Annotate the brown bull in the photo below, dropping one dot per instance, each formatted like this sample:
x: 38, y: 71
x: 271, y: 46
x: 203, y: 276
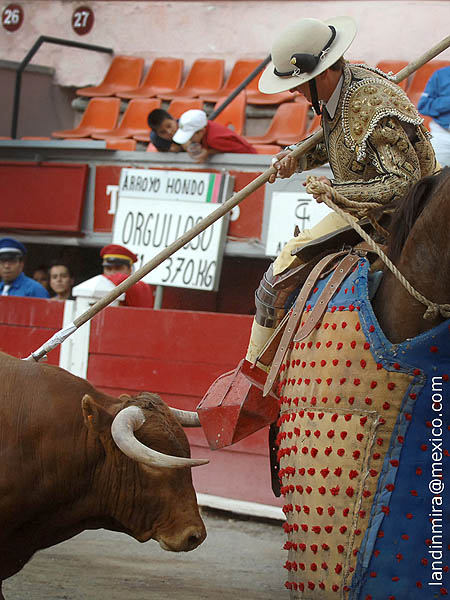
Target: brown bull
x: 70, y: 461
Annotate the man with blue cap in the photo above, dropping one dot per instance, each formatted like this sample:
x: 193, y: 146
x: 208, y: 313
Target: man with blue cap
x: 13, y: 281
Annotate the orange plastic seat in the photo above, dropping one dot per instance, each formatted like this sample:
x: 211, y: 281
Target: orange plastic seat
x: 134, y: 120
x: 267, y: 148
x: 100, y: 115
x: 233, y: 115
x: 204, y: 77
x: 35, y: 137
x: 164, y: 76
x: 420, y: 79
x: 121, y: 144
x: 313, y: 125
x: 240, y: 71
x: 394, y: 66
x: 124, y: 73
x: 176, y: 109
x: 254, y: 96
x: 287, y: 126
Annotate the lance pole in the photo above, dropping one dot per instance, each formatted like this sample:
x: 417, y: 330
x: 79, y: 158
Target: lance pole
x: 217, y: 214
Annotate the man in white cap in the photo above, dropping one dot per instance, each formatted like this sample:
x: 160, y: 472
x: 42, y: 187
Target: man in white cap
x: 202, y: 138
x: 374, y: 139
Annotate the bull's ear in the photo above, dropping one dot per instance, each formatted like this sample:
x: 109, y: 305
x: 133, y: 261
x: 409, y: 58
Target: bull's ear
x: 96, y: 418
x: 124, y: 397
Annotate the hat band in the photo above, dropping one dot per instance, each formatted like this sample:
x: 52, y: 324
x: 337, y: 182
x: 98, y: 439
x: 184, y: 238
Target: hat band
x: 305, y: 63
x: 117, y: 257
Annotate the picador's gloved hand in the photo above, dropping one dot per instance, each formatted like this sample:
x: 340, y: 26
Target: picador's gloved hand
x: 258, y: 338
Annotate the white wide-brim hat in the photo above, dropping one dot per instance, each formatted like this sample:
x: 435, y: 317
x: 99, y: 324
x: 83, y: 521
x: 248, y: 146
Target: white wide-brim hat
x: 308, y: 36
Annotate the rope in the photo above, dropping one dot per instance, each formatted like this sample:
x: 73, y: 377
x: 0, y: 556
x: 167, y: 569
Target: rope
x: 331, y: 197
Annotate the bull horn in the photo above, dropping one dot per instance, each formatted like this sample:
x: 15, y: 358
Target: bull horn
x: 186, y: 418
x: 125, y: 423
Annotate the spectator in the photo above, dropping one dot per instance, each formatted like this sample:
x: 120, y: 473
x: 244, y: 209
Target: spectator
x: 41, y: 276
x: 435, y: 103
x: 163, y: 126
x: 14, y: 281
x: 117, y: 266
x: 61, y: 281
x: 202, y: 138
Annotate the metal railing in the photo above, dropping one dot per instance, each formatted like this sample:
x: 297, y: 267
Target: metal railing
x: 29, y: 56
x: 239, y: 88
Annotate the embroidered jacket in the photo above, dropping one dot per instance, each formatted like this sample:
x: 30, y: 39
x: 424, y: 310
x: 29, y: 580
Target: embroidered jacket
x: 376, y: 144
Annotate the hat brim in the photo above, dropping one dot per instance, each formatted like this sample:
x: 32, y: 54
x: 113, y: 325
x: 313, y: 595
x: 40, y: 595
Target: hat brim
x: 181, y: 136
x: 269, y: 83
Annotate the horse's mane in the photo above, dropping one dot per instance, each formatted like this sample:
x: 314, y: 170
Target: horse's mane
x: 410, y: 208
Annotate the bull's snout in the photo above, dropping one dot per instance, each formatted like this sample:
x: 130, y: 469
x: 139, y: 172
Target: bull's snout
x: 188, y: 540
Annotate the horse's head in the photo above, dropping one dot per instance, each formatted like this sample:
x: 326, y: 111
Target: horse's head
x: 419, y: 246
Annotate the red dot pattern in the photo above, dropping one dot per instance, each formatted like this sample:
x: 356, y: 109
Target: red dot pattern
x: 338, y: 408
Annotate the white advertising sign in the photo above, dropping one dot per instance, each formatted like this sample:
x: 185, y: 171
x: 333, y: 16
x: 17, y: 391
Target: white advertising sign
x: 288, y: 209
x: 157, y: 184
x: 150, y: 216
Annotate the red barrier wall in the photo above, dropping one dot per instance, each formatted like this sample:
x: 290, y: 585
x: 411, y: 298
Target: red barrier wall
x: 177, y: 354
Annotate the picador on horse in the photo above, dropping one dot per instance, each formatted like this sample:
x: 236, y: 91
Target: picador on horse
x: 352, y: 449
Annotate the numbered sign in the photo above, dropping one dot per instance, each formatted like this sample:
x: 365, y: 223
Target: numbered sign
x: 82, y: 20
x: 12, y: 17
x: 288, y: 209
x: 155, y: 208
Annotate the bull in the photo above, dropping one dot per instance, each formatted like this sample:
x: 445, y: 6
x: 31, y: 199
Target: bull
x: 74, y: 458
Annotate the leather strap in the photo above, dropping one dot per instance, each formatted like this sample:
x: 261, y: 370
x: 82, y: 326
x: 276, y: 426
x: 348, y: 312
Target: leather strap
x: 340, y: 273
x: 290, y: 326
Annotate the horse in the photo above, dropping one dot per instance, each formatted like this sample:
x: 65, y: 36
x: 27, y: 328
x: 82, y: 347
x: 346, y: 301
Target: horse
x: 363, y: 439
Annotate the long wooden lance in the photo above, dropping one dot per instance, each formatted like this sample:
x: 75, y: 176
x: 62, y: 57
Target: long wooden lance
x: 222, y: 210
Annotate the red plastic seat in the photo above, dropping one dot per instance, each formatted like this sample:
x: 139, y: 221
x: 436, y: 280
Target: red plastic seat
x: 121, y: 144
x: 134, y: 120
x: 124, y: 73
x: 267, y: 148
x: 233, y: 115
x: 164, y: 76
x: 240, y: 71
x: 313, y: 125
x: 204, y: 77
x: 288, y: 125
x: 394, y: 66
x: 254, y: 96
x: 176, y: 109
x: 420, y: 79
x: 100, y: 115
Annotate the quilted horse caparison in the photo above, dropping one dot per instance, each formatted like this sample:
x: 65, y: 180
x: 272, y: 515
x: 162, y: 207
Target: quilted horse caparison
x: 364, y: 446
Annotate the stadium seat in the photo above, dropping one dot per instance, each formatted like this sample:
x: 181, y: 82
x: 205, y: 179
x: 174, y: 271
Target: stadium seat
x: 267, y: 148
x: 394, y: 66
x: 134, y: 120
x: 233, y: 115
x: 254, y: 96
x: 121, y: 144
x: 164, y: 76
x: 176, y: 108
x: 204, y: 77
x: 420, y: 79
x: 124, y: 73
x: 35, y: 138
x: 240, y: 71
x: 313, y: 125
x: 100, y: 115
x: 287, y: 126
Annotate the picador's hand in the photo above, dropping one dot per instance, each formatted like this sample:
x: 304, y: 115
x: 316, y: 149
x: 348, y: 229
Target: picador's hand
x: 285, y: 165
